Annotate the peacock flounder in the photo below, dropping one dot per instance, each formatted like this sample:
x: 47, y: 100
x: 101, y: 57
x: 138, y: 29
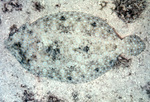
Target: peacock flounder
x: 70, y: 47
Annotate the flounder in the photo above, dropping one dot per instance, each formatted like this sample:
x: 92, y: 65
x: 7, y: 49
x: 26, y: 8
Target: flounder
x: 72, y: 47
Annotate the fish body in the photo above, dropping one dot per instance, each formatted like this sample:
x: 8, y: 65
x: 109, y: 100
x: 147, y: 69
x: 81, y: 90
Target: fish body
x: 72, y: 47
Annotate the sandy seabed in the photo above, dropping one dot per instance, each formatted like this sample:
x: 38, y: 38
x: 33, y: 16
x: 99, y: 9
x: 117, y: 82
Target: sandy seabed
x: 123, y: 84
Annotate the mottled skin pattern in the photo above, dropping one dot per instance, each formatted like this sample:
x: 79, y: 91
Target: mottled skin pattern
x: 70, y: 47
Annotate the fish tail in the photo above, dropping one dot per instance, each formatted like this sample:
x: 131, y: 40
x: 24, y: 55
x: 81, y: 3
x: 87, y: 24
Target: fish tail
x: 133, y: 45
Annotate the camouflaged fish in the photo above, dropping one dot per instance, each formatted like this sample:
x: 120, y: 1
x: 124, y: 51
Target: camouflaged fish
x: 70, y: 47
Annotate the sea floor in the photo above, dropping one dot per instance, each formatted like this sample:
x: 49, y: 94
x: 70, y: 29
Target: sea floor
x: 124, y: 83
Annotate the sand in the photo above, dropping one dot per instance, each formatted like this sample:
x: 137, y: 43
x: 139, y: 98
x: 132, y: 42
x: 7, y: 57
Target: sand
x: 122, y: 84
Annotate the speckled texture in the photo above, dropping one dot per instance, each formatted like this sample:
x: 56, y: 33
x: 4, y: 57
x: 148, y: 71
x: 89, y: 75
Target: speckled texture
x: 70, y: 47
